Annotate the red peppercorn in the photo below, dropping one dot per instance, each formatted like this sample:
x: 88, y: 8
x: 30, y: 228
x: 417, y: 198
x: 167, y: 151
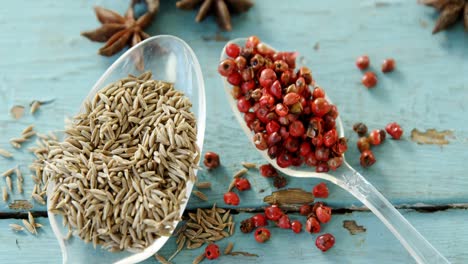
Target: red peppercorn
x: 232, y: 50
x: 284, y: 222
x: 296, y: 129
x: 320, y: 190
x: 296, y: 226
x: 262, y: 235
x: 212, y: 251
x: 360, y: 128
x: 257, y: 62
x: 312, y: 225
x: 243, y: 105
x: 260, y: 141
x: 227, y: 67
x: 211, y: 160
x: 280, y: 66
x: 291, y: 144
x: 322, y: 154
x: 234, y: 78
x: 325, y: 242
x: 267, y: 100
x: 291, y: 98
x: 273, y: 212
x: 375, y: 137
x: 252, y: 42
x: 333, y: 111
x: 318, y: 93
x: 334, y: 163
x: 281, y: 109
x: 362, y: 62
x: 317, y: 141
x: 323, y: 214
x: 330, y: 138
x: 273, y: 151
x: 367, y: 158
x: 249, y: 118
x: 286, y: 77
x: 329, y: 122
x: 363, y: 144
x: 236, y: 92
x: 273, y: 139
x: 241, y: 62
x: 259, y: 220
x: 280, y: 181
x: 247, y: 225
x: 284, y: 160
x: 322, y: 167
x: 305, y: 73
x: 388, y: 65
x: 231, y: 198
x: 310, y: 159
x: 247, y: 74
x: 272, y: 126
x: 276, y: 89
x: 369, y: 79
x: 340, y: 147
x: 305, y: 209
x: 263, y: 49
x: 267, y: 77
x: 267, y: 170
x: 320, y: 107
x: 242, y: 184
x: 304, y: 149
x: 249, y: 86
x: 394, y: 130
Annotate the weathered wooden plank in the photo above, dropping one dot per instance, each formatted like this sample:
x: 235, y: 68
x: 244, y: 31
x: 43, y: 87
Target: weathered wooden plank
x: 43, y: 57
x: 445, y: 229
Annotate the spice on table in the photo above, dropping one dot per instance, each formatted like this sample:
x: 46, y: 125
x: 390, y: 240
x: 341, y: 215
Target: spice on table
x: 305, y: 209
x: 211, y: 160
x: 320, y: 190
x: 312, y: 224
x: 367, y: 158
x: 220, y: 8
x: 267, y: 170
x: 289, y: 196
x: 369, y: 79
x: 394, y: 130
x: 363, y: 144
x: 242, y: 184
x: 323, y: 213
x: 199, y: 259
x: 360, y: 128
x: 262, y: 234
x: 119, y: 31
x: 284, y: 222
x: 325, y: 242
x: 5, y: 194
x: 279, y: 181
x: 259, y: 220
x: 376, y: 137
x: 247, y: 225
x: 35, y: 105
x: 362, y: 62
x: 200, y: 195
x: 231, y: 198
x: 296, y: 226
x: 388, y: 65
x: 273, y: 212
x: 249, y: 165
x: 212, y: 251
x: 203, y: 185
x: 450, y: 13
x: 240, y: 173
x: 5, y: 153
x: 17, y: 111
x: 16, y: 227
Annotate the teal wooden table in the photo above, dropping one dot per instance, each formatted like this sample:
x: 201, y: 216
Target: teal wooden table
x: 43, y: 57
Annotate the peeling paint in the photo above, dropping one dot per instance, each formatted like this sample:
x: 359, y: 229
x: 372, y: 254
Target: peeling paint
x: 353, y: 228
x: 20, y: 205
x: 431, y: 136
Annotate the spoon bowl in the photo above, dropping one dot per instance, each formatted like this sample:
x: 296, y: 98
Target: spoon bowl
x: 170, y: 59
x: 349, y: 179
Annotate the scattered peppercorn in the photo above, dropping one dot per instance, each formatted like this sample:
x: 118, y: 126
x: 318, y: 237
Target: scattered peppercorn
x: 280, y: 181
x: 262, y: 235
x: 323, y: 214
x: 325, y: 242
x: 369, y: 79
x: 212, y: 251
x: 242, y: 184
x: 267, y: 170
x: 273, y: 212
x: 296, y: 226
x: 367, y: 158
x: 360, y: 128
x: 247, y: 225
x: 362, y: 62
x: 394, y: 130
x: 305, y: 209
x: 312, y: 225
x: 375, y: 137
x: 388, y: 65
x: 211, y: 160
x: 231, y: 198
x: 363, y: 144
x: 284, y: 222
x: 259, y: 220
x: 320, y: 190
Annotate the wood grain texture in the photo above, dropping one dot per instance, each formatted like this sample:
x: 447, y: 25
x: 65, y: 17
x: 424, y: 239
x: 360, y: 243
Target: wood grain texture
x: 376, y: 244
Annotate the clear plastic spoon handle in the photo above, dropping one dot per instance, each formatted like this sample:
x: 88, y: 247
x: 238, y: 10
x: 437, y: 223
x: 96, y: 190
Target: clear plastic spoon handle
x: 419, y: 248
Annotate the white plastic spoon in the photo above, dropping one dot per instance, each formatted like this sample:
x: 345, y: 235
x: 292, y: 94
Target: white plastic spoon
x: 349, y: 179
x: 169, y: 59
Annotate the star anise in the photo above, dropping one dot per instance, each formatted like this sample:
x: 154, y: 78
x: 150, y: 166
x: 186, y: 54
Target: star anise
x: 119, y: 31
x: 451, y: 11
x: 220, y: 8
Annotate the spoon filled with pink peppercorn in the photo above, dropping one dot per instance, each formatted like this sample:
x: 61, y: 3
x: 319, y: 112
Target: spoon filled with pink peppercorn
x: 296, y: 128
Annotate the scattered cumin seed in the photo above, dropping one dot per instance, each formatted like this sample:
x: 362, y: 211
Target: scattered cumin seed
x: 249, y: 165
x: 231, y: 185
x: 5, y: 194
x: 15, y: 144
x: 200, y: 195
x: 19, y: 185
x: 199, y: 259
x: 8, y: 172
x: 5, y: 153
x: 228, y: 248
x: 35, y: 105
x: 28, y: 227
x: 203, y: 185
x: 27, y: 129
x: 240, y: 173
x: 161, y: 259
x: 29, y: 134
x: 8, y: 182
x: 16, y: 227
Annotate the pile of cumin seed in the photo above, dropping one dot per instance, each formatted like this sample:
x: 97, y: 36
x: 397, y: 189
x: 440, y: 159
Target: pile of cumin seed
x: 120, y: 174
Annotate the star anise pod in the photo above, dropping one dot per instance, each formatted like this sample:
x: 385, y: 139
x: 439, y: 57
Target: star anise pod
x: 450, y: 12
x: 220, y: 8
x: 119, y: 31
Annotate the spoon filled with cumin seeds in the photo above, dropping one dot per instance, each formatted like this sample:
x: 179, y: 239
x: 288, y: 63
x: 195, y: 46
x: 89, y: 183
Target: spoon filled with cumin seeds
x: 122, y: 176
x: 292, y: 125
